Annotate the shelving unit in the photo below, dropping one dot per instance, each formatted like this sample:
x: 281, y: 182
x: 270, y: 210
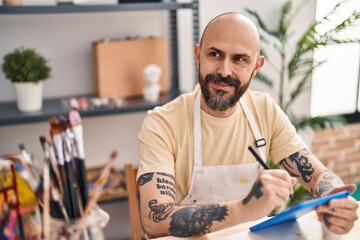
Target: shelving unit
x: 9, y: 115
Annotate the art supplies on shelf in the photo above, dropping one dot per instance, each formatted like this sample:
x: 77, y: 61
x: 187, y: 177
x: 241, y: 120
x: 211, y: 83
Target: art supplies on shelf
x: 113, y: 189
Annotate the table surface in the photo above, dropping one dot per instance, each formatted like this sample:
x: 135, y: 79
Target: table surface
x: 305, y: 228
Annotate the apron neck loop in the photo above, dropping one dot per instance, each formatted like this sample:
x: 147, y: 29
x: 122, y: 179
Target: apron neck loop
x: 259, y: 140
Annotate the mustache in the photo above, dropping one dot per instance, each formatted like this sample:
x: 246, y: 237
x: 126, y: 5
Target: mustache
x: 219, y: 79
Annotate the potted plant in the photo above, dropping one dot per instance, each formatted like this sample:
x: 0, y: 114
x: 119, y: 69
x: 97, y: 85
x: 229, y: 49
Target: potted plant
x: 26, y: 69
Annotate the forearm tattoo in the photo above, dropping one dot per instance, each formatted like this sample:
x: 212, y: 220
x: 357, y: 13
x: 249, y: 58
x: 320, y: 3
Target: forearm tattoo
x: 327, y: 182
x: 166, y: 174
x: 254, y: 192
x: 147, y: 177
x: 191, y: 221
x: 303, y: 166
x: 159, y: 212
x: 166, y: 187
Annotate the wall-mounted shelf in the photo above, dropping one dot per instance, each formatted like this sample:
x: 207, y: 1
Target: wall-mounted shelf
x: 70, y: 8
x: 10, y: 115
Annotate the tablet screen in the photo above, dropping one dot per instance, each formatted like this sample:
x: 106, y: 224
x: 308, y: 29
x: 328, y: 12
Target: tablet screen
x: 298, y: 210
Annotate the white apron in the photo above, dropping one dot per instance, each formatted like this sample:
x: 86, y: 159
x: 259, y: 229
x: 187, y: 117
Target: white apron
x: 213, y: 184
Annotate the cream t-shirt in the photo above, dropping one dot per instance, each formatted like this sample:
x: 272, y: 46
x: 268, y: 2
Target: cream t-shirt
x: 166, y: 137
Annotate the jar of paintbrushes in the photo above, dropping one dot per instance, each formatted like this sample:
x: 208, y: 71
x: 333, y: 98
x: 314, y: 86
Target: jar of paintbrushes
x: 69, y: 209
x: 86, y: 228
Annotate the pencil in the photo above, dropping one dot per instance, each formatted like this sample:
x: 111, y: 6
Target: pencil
x: 258, y: 158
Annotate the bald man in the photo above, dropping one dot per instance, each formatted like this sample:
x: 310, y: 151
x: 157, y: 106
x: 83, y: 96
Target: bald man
x: 196, y: 174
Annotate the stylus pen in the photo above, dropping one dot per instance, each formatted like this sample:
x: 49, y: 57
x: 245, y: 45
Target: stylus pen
x: 258, y: 158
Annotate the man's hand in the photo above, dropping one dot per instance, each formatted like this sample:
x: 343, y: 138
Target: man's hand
x: 271, y: 190
x: 339, y: 215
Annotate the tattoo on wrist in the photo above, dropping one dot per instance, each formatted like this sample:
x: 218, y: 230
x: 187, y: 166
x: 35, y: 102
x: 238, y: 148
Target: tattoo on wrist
x: 159, y: 212
x: 303, y: 166
x: 191, y: 221
x: 328, y: 181
x: 147, y: 177
x: 254, y: 192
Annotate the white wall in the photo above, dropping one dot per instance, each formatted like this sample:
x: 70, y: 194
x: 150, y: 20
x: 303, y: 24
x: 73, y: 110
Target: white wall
x: 65, y: 40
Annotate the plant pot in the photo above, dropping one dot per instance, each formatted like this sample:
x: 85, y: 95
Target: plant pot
x: 29, y: 96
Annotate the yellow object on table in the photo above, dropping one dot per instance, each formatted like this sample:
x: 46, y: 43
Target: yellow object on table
x: 26, y: 195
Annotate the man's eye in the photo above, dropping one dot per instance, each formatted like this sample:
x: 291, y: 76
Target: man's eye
x: 239, y: 59
x: 214, y: 54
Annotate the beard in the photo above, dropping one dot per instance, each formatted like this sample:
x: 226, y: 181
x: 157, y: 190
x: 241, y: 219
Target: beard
x: 220, y: 101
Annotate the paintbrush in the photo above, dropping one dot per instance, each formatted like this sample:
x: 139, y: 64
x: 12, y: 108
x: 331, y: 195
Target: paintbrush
x: 58, y: 144
x: 17, y: 202
x: 46, y: 189
x: 77, y: 129
x: 100, y: 182
x: 56, y: 204
x: 56, y: 196
x: 54, y: 168
x: 71, y: 180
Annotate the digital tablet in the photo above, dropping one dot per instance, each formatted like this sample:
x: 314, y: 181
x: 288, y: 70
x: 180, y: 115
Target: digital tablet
x: 298, y: 210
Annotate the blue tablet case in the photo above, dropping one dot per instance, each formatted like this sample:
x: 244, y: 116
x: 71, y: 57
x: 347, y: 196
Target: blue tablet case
x: 298, y: 210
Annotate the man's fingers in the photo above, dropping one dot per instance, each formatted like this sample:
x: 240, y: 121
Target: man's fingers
x: 337, y: 225
x: 276, y: 186
x: 347, y: 203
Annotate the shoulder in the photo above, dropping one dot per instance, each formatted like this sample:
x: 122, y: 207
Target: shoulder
x: 171, y: 115
x: 170, y: 111
x: 261, y: 101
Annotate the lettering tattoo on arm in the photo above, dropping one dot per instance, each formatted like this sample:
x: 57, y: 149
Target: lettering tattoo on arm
x: 191, y: 221
x: 165, y: 186
x: 328, y: 181
x: 166, y: 174
x: 303, y: 166
x: 254, y: 192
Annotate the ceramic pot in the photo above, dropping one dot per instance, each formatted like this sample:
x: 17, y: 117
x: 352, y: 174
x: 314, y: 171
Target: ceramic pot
x: 29, y: 96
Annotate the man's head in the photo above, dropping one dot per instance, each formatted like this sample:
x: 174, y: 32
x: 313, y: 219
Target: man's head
x: 228, y: 58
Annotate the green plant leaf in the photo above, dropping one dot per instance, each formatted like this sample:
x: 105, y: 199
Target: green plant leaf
x: 346, y: 31
x: 25, y: 65
x: 320, y: 122
x: 264, y: 79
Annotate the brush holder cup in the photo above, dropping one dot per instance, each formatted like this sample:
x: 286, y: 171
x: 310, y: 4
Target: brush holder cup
x: 90, y: 227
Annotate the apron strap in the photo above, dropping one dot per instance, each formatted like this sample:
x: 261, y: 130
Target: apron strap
x: 259, y: 140
x: 197, y: 131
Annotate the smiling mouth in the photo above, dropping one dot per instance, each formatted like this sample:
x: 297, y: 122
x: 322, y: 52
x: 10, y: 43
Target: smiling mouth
x: 222, y: 85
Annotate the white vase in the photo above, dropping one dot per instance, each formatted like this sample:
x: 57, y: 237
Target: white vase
x: 29, y: 96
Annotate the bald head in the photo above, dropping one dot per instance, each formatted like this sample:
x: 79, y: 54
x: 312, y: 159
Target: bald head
x: 232, y: 24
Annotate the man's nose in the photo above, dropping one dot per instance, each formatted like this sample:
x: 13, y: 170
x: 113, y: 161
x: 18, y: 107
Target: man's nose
x: 225, y: 69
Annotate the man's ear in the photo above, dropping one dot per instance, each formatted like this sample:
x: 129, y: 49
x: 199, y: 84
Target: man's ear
x: 197, y: 53
x: 259, y: 63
